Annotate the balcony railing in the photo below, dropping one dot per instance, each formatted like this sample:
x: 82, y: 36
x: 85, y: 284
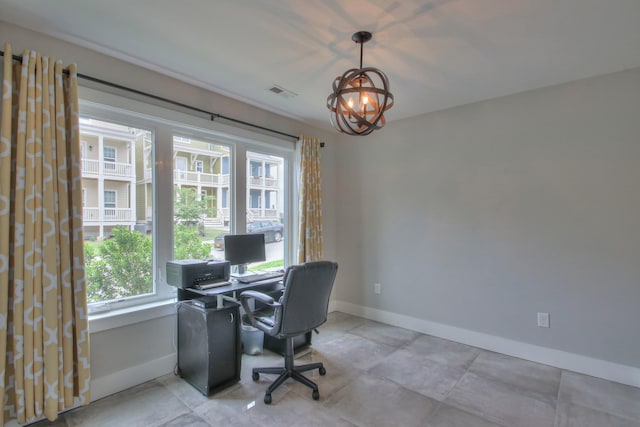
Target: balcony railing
x: 258, y: 181
x: 194, y: 178
x: 108, y: 214
x: 115, y: 169
x: 188, y: 177
x: 259, y: 213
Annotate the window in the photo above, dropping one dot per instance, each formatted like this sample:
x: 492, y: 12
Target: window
x: 271, y: 199
x: 109, y: 156
x: 118, y: 250
x: 109, y: 204
x: 225, y: 165
x: 256, y: 168
x: 181, y: 168
x: 199, y: 214
x: 254, y: 198
x: 109, y: 199
x: 266, y: 212
x: 163, y: 204
x: 225, y: 198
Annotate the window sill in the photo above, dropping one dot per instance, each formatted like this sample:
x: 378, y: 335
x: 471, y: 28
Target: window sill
x: 130, y: 315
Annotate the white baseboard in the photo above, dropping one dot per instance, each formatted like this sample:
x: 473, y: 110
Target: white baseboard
x: 561, y: 359
x: 122, y: 380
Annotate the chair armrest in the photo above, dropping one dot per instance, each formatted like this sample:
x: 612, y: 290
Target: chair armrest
x: 263, y: 298
x: 258, y: 296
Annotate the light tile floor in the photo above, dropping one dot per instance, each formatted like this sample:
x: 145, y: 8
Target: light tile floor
x: 380, y: 375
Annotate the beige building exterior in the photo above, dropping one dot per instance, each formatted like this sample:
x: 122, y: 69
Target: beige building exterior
x: 108, y: 177
x: 117, y: 179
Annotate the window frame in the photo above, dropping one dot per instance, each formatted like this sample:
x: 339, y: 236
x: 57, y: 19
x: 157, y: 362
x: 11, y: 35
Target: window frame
x: 104, y: 199
x: 111, y: 159
x: 164, y: 125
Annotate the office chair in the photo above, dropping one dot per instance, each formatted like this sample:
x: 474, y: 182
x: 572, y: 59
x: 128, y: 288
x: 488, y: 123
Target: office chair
x: 302, y: 308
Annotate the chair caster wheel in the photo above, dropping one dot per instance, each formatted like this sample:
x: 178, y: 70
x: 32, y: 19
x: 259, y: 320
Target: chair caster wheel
x: 267, y: 399
x: 255, y: 376
x: 322, y: 371
x: 315, y: 395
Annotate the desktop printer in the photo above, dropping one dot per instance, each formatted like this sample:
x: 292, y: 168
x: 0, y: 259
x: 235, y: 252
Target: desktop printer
x: 186, y: 273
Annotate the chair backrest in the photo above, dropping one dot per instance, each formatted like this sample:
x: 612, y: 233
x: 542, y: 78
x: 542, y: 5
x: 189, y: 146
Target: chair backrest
x: 305, y: 301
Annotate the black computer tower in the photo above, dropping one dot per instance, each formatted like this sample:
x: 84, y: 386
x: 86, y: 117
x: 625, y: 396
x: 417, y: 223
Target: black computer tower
x: 209, y: 346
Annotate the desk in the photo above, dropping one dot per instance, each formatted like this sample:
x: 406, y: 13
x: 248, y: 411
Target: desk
x: 265, y: 286
x: 230, y: 292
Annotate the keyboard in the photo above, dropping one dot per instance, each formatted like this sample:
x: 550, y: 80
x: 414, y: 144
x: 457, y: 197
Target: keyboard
x: 261, y: 276
x: 204, y: 286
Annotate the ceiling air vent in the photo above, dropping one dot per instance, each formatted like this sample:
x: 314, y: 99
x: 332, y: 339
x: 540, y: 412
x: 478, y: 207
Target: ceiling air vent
x: 282, y: 92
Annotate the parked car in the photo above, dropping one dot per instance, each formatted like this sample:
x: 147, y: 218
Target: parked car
x: 218, y: 242
x: 273, y: 232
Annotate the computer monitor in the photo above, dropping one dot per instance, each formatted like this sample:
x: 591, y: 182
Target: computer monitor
x: 241, y: 249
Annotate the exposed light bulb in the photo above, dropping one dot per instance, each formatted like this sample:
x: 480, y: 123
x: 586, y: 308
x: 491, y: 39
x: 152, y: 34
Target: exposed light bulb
x: 350, y: 102
x: 365, y: 100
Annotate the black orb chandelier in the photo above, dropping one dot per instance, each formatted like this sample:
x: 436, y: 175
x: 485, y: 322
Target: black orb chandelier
x: 360, y: 97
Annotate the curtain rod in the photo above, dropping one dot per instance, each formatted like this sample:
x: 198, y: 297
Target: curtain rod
x: 211, y: 115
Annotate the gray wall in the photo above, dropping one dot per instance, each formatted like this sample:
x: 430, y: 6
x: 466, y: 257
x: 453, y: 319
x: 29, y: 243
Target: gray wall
x: 480, y: 216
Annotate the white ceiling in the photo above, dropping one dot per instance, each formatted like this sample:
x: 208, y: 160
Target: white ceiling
x: 436, y: 53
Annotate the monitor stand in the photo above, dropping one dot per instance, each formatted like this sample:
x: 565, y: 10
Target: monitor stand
x: 239, y: 270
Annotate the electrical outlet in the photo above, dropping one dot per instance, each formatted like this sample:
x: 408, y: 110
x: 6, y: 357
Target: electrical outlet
x: 376, y: 288
x: 543, y: 320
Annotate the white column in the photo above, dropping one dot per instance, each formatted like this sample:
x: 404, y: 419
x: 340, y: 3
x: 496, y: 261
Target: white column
x: 132, y: 184
x: 101, y: 185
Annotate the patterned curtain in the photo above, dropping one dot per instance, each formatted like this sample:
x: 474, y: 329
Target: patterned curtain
x: 310, y: 197
x: 44, y: 337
